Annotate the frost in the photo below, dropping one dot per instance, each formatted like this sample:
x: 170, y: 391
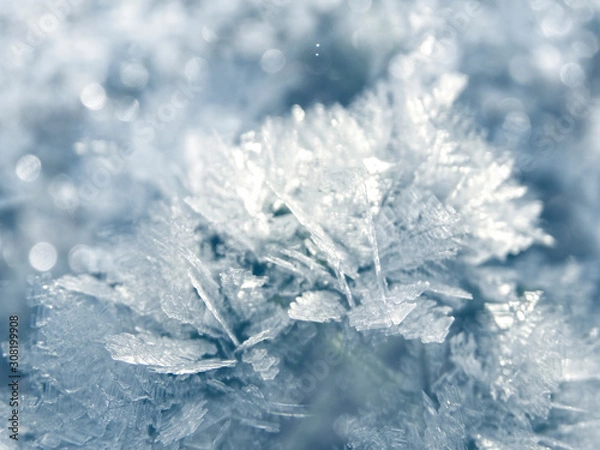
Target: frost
x: 363, y: 269
x: 350, y: 228
x: 427, y: 230
x: 183, y: 424
x: 321, y: 306
x: 392, y: 310
x: 427, y: 322
x: 450, y: 291
x: 163, y: 354
x: 208, y: 301
x: 262, y: 363
x: 93, y: 287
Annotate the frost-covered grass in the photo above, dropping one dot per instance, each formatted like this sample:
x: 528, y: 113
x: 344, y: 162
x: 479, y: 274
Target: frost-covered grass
x: 321, y: 224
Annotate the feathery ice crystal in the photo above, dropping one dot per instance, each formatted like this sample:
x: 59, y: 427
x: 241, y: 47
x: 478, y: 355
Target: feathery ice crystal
x: 336, y: 276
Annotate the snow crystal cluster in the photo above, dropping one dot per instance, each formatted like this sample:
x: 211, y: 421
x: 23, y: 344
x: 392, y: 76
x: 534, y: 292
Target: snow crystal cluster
x: 312, y: 225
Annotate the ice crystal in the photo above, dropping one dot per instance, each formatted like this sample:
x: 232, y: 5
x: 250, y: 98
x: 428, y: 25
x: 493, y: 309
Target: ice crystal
x: 288, y: 271
x: 316, y: 217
